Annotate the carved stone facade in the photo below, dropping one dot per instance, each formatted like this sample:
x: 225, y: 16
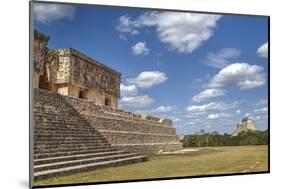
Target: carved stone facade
x: 69, y: 72
x: 78, y: 75
x: 40, y: 44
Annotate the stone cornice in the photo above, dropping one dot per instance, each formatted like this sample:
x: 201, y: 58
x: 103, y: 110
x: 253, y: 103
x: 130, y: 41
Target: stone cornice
x: 74, y: 52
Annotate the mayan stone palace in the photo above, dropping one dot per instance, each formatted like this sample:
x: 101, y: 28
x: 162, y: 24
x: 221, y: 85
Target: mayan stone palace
x: 77, y: 123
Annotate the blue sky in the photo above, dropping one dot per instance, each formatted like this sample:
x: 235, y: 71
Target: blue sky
x: 203, y: 71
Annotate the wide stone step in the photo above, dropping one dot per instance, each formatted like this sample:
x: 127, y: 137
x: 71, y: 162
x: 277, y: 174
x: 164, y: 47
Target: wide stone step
x: 70, y: 134
x: 74, y: 152
x: 51, y: 109
x: 86, y: 167
x: 49, y: 114
x: 64, y: 128
x: 72, y: 146
x: 66, y: 121
x: 60, y: 118
x: 45, y: 139
x: 68, y: 149
x: 76, y: 157
x: 58, y: 165
x: 55, y: 141
x: 66, y: 134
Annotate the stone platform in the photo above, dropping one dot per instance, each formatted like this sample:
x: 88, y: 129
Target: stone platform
x: 73, y: 135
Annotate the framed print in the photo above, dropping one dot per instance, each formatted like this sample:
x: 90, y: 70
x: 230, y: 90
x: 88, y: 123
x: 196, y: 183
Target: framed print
x: 126, y: 94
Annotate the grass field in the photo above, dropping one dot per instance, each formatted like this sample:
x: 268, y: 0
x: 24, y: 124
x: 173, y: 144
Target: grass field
x: 205, y: 161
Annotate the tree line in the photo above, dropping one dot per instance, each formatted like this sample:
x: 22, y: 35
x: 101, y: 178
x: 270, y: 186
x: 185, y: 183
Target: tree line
x: 203, y: 139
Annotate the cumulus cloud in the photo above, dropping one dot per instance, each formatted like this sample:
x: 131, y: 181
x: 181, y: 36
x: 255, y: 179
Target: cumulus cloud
x: 244, y: 75
x: 183, y: 32
x: 263, y: 50
x: 128, y: 90
x: 127, y: 25
x: 212, y: 106
x: 221, y: 58
x: 47, y: 13
x: 123, y: 37
x: 238, y: 112
x: 162, y: 109
x: 141, y: 101
x: 194, y: 114
x: 248, y: 114
x: 218, y: 115
x: 148, y: 79
x: 140, y: 48
x: 257, y: 118
x: 262, y: 102
x: 261, y: 110
x: 175, y: 120
x: 208, y: 94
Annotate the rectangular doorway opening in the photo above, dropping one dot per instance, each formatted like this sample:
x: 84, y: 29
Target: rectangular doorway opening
x: 107, y: 101
x: 83, y: 94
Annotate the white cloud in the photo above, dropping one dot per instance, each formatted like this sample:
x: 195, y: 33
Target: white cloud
x: 212, y: 106
x: 221, y: 58
x: 175, y: 120
x: 263, y: 50
x: 184, y: 32
x: 262, y: 102
x: 194, y: 114
x: 208, y: 94
x: 261, y: 110
x: 148, y: 79
x: 257, y: 118
x: 127, y: 25
x: 244, y: 75
x: 238, y: 112
x: 135, y: 101
x: 247, y: 115
x: 46, y: 13
x: 140, y: 48
x: 213, y: 116
x: 128, y: 90
x: 123, y: 37
x: 219, y: 115
x: 162, y: 109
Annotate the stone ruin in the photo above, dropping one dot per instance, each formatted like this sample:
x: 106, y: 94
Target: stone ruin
x: 69, y: 72
x: 77, y: 123
x: 246, y: 125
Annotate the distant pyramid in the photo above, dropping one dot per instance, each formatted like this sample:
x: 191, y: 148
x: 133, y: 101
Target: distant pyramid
x: 246, y: 125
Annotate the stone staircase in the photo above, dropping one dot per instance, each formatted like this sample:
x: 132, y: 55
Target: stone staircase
x: 64, y: 142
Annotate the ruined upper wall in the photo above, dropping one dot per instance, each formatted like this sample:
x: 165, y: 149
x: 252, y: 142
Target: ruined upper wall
x: 40, y: 46
x: 79, y: 69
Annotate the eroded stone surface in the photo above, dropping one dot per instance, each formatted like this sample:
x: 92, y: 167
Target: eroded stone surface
x: 40, y: 54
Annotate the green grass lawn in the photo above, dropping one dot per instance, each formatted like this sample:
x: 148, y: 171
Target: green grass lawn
x: 205, y: 161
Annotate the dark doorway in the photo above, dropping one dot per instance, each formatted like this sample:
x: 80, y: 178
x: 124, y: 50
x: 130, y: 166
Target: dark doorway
x: 107, y: 101
x: 83, y: 94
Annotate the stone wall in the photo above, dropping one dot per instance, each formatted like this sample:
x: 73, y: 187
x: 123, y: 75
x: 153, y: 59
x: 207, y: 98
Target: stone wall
x: 79, y: 69
x: 85, y: 76
x: 40, y: 49
x: 36, y: 77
